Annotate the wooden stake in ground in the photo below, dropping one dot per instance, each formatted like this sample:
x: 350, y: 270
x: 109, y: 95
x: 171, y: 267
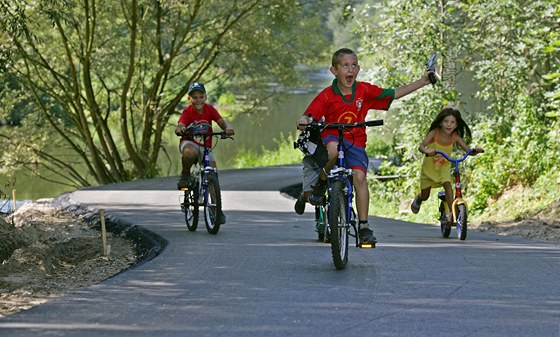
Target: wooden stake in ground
x: 14, y: 199
x: 103, y: 232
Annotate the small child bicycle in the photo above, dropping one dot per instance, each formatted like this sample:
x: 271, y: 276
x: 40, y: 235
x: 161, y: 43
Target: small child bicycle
x: 205, y: 191
x: 459, y: 208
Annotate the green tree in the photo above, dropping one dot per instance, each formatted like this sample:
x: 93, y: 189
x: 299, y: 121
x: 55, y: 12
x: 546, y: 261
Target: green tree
x: 508, y: 49
x: 106, y: 76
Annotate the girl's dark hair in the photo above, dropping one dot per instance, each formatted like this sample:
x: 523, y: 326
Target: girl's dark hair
x: 462, y: 127
x: 339, y: 53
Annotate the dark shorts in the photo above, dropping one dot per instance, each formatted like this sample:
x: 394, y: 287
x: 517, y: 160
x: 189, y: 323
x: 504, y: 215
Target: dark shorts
x: 355, y: 157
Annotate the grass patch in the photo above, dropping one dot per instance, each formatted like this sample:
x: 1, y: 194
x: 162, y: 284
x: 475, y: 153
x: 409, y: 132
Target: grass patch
x: 283, y: 154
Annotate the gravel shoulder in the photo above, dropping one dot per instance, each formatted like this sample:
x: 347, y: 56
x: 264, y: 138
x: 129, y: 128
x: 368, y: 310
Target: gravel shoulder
x: 50, y: 247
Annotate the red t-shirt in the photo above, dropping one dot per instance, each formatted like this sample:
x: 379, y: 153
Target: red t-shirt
x: 190, y: 115
x: 337, y: 108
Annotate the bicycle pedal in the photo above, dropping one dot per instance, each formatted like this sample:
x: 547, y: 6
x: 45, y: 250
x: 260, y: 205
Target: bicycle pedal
x: 366, y: 245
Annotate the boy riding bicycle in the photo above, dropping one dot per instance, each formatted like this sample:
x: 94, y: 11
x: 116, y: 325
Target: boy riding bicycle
x: 348, y: 101
x: 198, y: 113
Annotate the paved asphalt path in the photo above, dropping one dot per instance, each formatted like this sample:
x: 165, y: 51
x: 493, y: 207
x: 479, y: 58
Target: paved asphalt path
x: 264, y: 274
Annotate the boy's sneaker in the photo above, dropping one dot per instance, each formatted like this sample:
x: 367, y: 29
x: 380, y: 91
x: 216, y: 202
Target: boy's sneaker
x: 185, y: 182
x: 299, y: 207
x: 415, y: 206
x: 316, y: 198
x: 366, y: 235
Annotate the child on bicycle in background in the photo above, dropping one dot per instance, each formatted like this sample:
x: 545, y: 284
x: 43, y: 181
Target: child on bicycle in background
x: 348, y: 101
x: 310, y: 143
x: 198, y: 113
x: 447, y: 130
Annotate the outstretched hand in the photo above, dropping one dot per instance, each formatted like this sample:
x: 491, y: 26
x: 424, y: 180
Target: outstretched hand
x: 430, y: 77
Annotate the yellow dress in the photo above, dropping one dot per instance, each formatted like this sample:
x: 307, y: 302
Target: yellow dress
x: 435, y: 169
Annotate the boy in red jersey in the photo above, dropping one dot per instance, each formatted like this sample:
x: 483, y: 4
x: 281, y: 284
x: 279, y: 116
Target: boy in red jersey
x: 198, y: 112
x: 348, y: 101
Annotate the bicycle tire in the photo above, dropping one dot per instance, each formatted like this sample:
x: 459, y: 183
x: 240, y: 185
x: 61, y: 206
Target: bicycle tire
x: 445, y: 229
x: 462, y: 221
x: 338, y: 225
x: 323, y: 230
x: 213, y: 204
x: 190, y: 208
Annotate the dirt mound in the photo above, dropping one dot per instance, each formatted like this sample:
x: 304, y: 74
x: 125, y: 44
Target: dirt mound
x: 46, y: 251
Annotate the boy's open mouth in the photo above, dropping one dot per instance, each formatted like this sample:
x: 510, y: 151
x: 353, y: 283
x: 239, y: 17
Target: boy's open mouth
x: 349, y: 79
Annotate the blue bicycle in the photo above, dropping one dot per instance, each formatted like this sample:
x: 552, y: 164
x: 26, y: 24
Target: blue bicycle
x: 340, y: 212
x: 206, y: 189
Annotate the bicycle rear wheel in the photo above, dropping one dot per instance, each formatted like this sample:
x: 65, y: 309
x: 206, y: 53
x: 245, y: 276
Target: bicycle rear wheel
x: 462, y: 221
x: 190, y: 208
x: 338, y: 225
x: 323, y: 230
x: 213, y: 205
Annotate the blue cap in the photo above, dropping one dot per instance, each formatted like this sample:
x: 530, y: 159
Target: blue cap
x: 196, y: 86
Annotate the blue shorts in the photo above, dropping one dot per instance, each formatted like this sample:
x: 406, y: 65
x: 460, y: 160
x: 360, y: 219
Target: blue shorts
x: 355, y: 157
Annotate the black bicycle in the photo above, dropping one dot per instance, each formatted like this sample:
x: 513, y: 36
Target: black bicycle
x: 205, y: 191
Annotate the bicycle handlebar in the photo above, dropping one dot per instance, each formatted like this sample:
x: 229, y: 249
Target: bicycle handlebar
x: 456, y: 160
x: 376, y: 122
x: 222, y: 134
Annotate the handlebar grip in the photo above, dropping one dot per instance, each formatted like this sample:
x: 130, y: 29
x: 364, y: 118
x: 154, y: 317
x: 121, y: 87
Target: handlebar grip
x: 377, y: 122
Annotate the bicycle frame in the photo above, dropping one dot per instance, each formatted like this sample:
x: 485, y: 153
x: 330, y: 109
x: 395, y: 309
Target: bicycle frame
x: 458, y: 198
x: 206, y: 169
x: 341, y: 173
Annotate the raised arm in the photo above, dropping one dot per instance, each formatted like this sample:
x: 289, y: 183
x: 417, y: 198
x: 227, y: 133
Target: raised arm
x: 411, y: 87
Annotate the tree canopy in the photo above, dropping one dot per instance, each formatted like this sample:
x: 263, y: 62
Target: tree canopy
x: 106, y: 76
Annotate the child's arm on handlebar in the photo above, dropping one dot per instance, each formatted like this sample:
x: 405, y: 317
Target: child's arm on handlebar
x: 477, y: 150
x: 181, y: 129
x: 224, y: 125
x: 466, y: 148
x: 302, y: 122
x: 427, y: 140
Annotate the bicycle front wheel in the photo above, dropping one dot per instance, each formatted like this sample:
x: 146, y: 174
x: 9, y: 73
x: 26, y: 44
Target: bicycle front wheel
x: 190, y: 208
x: 445, y: 228
x: 338, y: 225
x: 462, y: 221
x: 213, y: 215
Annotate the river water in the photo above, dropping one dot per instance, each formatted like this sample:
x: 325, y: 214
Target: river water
x: 253, y: 132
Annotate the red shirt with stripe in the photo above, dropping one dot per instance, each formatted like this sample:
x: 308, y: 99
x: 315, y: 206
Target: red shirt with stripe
x: 190, y: 115
x: 339, y: 108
